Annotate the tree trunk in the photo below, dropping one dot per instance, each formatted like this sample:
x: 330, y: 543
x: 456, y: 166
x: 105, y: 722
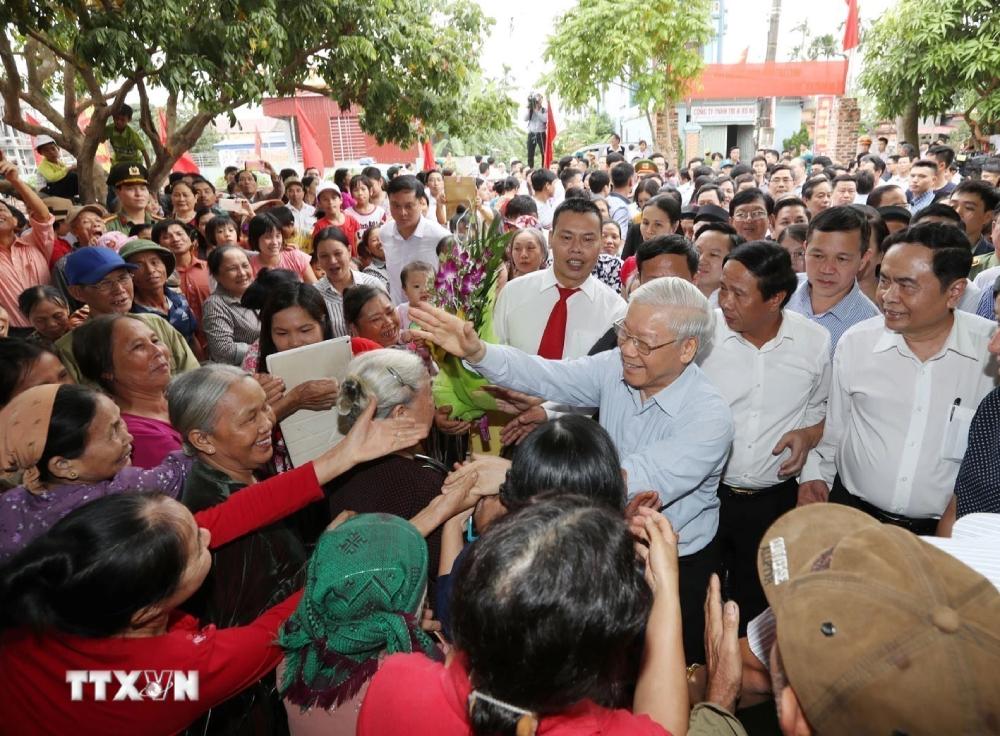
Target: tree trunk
x: 664, y: 134
x: 93, y: 179
x: 911, y: 121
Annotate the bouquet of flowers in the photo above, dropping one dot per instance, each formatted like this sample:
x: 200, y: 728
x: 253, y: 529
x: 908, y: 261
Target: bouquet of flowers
x: 466, y: 286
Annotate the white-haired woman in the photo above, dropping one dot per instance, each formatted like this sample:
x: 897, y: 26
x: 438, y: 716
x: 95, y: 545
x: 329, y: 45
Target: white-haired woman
x: 404, y: 482
x: 527, y: 252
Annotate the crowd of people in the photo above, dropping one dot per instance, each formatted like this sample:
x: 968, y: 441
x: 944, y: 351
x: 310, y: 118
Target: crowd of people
x: 747, y: 412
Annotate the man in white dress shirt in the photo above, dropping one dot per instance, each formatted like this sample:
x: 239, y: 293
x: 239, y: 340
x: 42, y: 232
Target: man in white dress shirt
x: 905, y: 387
x: 408, y: 236
x: 771, y: 365
x: 528, y: 303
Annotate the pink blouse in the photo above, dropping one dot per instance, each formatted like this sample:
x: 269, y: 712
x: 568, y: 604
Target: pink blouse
x: 292, y: 259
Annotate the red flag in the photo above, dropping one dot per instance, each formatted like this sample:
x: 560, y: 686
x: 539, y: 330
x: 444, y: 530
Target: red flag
x: 851, y: 27
x: 550, y: 134
x: 185, y: 164
x: 312, y: 156
x: 428, y: 155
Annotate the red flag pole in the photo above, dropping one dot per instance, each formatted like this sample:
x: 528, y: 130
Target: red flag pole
x: 550, y: 133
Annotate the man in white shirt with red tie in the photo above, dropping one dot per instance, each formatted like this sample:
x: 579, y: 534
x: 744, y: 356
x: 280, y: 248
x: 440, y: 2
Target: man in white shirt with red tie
x: 561, y: 311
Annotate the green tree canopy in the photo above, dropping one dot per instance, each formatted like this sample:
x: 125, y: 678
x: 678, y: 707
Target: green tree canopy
x: 925, y: 56
x: 593, y: 127
x: 409, y: 64
x: 659, y: 60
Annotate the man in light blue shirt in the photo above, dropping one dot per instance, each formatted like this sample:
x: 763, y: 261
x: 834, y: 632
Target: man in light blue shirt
x: 837, y: 248
x: 671, y: 426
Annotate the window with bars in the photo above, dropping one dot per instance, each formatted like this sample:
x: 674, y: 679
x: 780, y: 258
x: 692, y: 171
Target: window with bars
x: 346, y: 138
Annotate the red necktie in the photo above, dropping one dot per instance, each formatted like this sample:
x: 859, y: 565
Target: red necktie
x: 554, y: 337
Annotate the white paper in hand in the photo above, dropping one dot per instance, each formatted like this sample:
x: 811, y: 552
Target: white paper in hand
x: 308, y: 434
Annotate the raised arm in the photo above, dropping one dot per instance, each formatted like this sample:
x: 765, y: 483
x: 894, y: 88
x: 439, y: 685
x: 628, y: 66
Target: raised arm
x: 661, y: 691
x: 574, y: 382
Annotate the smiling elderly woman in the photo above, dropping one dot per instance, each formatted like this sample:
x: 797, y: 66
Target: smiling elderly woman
x: 74, y: 601
x: 224, y: 417
x: 122, y: 355
x: 73, y: 447
x: 225, y: 421
x: 230, y: 327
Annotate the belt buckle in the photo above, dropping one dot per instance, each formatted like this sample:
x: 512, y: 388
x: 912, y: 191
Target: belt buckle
x: 742, y: 491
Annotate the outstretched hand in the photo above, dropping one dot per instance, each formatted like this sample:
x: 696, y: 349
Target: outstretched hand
x: 661, y: 554
x: 722, y: 648
x: 454, y: 335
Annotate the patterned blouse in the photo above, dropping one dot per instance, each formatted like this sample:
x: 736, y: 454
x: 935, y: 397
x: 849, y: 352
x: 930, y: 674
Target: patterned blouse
x: 25, y: 515
x: 180, y: 316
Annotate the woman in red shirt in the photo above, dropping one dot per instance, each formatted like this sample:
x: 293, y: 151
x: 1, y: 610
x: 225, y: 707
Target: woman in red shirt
x: 547, y: 614
x: 91, y: 638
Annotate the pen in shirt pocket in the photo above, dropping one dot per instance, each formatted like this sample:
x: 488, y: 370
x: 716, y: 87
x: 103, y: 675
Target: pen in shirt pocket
x: 957, y: 403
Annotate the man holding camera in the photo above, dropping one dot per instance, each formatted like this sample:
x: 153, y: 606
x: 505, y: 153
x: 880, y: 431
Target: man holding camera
x: 536, y: 127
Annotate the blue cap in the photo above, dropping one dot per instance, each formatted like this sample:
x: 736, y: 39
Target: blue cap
x: 89, y: 265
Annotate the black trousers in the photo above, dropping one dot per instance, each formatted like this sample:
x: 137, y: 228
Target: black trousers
x: 68, y: 187
x: 694, y: 572
x: 535, y: 139
x: 743, y: 519
x: 840, y: 494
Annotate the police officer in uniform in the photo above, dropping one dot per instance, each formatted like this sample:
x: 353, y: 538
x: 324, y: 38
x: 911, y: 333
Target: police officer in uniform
x: 131, y: 187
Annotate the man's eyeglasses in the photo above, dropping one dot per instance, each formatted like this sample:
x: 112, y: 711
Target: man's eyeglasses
x: 107, y: 286
x: 745, y: 215
x: 644, y: 348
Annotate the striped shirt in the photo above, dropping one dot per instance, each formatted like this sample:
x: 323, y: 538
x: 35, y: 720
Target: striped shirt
x: 853, y: 308
x: 229, y: 327
x: 335, y: 300
x: 974, y: 540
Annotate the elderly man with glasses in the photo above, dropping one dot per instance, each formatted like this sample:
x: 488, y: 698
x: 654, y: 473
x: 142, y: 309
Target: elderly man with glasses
x: 672, y: 427
x: 101, y: 279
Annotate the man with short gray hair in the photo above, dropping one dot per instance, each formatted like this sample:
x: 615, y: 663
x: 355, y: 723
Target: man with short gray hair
x: 671, y: 426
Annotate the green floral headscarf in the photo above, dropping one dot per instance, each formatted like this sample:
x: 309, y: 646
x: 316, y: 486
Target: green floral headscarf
x: 365, y: 581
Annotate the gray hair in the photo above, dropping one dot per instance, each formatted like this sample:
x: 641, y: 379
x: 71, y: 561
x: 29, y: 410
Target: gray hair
x: 539, y: 238
x: 192, y: 398
x: 390, y: 376
x: 688, y: 312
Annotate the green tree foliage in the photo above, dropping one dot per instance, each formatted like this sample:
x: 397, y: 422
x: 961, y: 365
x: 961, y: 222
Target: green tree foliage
x: 411, y: 65
x: 928, y: 55
x: 594, y: 127
x: 659, y: 59
x: 799, y: 138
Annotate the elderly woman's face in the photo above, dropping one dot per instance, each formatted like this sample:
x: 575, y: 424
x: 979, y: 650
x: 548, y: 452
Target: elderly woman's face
x: 526, y: 253
x: 235, y: 274
x: 141, y: 362
x: 378, y: 321
x: 182, y: 198
x: 240, y: 441
x: 108, y: 448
